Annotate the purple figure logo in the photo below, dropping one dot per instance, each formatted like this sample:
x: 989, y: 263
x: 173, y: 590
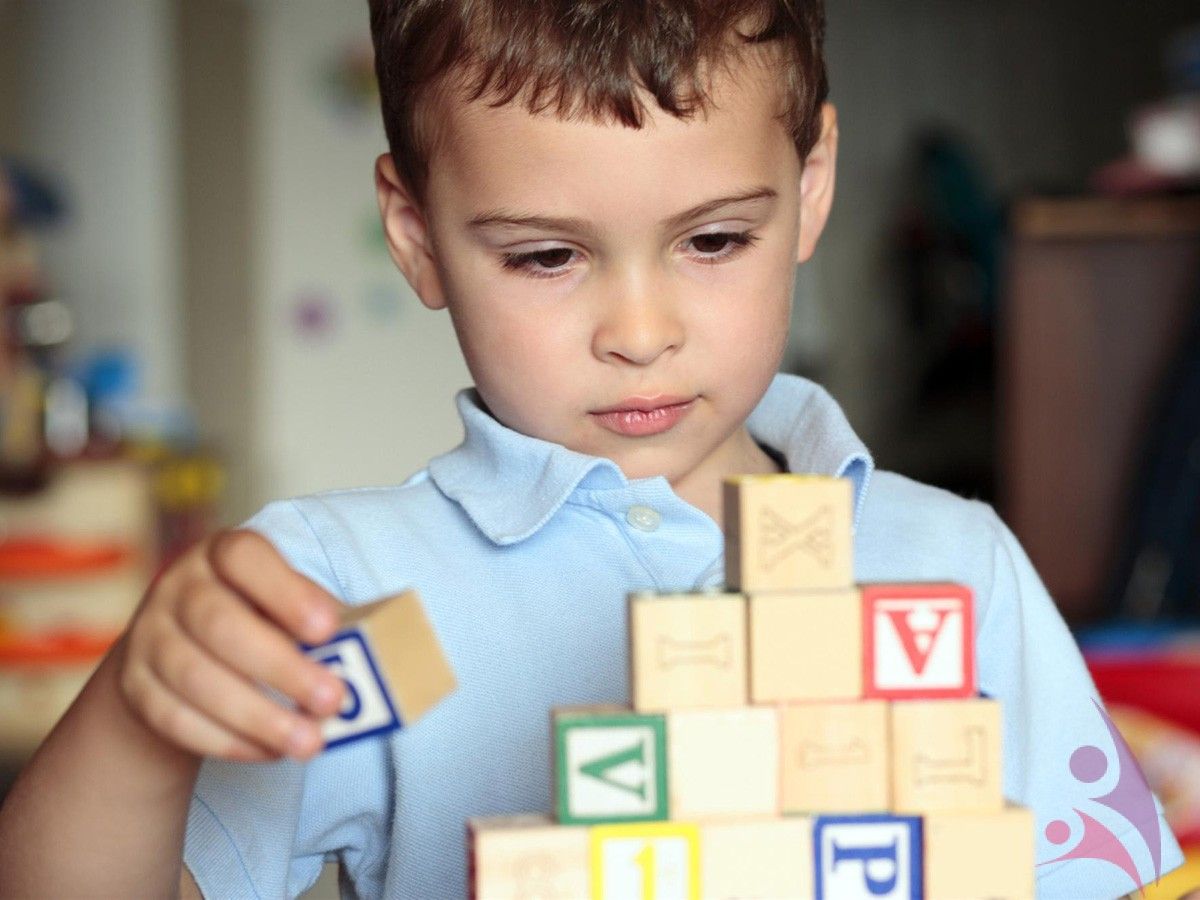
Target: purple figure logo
x: 1130, y: 796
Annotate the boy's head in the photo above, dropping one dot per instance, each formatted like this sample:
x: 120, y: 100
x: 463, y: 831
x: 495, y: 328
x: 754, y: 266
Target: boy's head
x: 618, y: 116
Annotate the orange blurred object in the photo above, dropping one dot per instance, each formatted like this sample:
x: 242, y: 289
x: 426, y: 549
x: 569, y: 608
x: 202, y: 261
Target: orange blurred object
x: 42, y: 557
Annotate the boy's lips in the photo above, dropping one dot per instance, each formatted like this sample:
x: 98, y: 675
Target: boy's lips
x: 639, y: 416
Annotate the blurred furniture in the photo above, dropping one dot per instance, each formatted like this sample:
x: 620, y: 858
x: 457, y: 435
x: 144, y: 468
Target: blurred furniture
x: 75, y: 559
x: 1098, y: 293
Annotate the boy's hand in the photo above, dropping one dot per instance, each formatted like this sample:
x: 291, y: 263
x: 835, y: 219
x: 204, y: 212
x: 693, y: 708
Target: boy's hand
x: 220, y: 622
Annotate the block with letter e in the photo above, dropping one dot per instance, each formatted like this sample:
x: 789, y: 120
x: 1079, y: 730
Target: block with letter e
x: 519, y: 857
x: 918, y: 641
x: 610, y: 765
x: 392, y: 664
x: 868, y: 856
x: 788, y: 532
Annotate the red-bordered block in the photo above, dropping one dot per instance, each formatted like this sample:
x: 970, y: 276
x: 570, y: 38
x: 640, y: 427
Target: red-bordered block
x: 918, y: 641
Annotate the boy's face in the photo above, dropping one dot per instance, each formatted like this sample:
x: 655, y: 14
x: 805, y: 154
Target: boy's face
x: 558, y: 321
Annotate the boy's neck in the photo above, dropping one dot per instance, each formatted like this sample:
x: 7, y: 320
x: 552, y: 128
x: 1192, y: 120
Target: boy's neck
x: 705, y: 493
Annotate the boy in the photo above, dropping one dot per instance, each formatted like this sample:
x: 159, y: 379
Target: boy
x: 622, y: 298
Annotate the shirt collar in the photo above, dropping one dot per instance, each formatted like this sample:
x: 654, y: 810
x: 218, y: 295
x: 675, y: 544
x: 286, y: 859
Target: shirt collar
x: 511, y: 484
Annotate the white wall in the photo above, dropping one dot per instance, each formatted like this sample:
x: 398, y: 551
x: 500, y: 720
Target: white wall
x: 98, y: 108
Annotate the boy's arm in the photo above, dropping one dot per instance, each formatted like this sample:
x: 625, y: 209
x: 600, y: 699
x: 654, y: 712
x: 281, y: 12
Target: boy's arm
x: 100, y: 809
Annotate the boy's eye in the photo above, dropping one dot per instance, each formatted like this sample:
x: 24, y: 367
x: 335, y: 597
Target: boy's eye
x: 553, y: 262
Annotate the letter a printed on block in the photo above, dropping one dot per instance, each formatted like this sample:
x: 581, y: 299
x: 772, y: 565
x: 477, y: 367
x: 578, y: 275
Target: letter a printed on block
x: 918, y: 641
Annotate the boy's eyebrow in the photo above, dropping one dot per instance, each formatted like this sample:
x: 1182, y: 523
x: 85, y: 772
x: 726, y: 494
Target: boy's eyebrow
x: 504, y: 218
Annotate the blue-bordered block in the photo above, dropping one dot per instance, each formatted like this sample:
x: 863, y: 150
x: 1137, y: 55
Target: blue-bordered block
x: 367, y: 709
x: 872, y: 857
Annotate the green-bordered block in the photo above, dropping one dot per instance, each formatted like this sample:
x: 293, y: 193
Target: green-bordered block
x: 610, y: 765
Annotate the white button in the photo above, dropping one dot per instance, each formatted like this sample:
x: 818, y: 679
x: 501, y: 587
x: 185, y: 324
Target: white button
x: 643, y: 518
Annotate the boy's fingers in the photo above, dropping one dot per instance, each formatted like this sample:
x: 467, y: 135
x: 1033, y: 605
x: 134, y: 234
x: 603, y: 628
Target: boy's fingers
x: 233, y: 703
x: 250, y: 564
x: 170, y: 716
x: 239, y: 637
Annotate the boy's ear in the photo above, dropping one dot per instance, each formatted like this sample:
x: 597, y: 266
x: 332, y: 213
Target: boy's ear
x: 407, y: 234
x: 816, y: 184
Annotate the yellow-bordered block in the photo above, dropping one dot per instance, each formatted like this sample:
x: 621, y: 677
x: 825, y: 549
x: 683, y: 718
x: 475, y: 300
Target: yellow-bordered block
x: 723, y: 763
x: 517, y: 857
x: 806, y: 646
x: 980, y: 855
x: 788, y: 532
x: 946, y: 755
x: 757, y: 859
x: 687, y: 651
x: 834, y: 757
x: 646, y: 861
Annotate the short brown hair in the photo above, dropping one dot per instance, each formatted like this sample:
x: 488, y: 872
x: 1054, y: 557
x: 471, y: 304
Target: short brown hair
x: 588, y: 55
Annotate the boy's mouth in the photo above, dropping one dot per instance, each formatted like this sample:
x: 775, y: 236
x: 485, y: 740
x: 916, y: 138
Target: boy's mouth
x: 639, y: 416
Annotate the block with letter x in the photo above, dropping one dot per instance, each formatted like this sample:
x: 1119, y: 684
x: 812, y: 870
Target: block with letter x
x: 918, y: 641
x: 610, y: 765
x: 391, y: 663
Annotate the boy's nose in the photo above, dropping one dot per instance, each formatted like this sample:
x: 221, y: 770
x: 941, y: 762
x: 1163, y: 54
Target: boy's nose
x: 638, y: 327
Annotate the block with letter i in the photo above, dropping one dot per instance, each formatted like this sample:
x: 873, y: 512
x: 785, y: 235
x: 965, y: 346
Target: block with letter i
x: 392, y: 664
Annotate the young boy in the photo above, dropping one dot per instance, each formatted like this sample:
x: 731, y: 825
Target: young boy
x: 620, y: 281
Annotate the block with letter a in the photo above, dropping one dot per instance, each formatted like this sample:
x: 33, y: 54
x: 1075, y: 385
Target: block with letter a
x: 918, y: 641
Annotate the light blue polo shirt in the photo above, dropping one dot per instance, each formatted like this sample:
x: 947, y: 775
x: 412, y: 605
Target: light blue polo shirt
x: 524, y: 552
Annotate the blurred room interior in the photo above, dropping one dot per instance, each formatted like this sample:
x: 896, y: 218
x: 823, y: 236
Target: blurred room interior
x: 193, y: 281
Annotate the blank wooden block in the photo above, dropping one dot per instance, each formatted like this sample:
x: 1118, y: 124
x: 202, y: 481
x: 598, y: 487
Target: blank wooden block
x: 834, y: 757
x: 648, y: 860
x: 918, y: 641
x: 946, y: 755
x: 519, y: 857
x: 867, y: 856
x: 723, y: 762
x: 788, y: 532
x: 805, y: 646
x: 687, y: 651
x: 392, y: 663
x: 610, y: 765
x: 980, y: 855
x: 757, y: 859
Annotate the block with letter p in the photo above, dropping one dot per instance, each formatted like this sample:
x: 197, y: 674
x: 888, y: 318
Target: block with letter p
x: 918, y: 641
x: 868, y: 856
x: 610, y: 765
x: 392, y: 664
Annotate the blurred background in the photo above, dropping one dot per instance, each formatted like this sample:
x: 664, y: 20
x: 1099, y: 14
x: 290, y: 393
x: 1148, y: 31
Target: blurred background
x: 198, y: 313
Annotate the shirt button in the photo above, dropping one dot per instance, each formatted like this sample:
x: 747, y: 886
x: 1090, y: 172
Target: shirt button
x: 643, y: 518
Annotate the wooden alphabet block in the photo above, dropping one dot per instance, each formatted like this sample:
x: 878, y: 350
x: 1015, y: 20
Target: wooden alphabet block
x: 392, y: 664
x: 868, y: 856
x: 610, y: 765
x: 918, y: 641
x: 723, y: 762
x: 757, y: 859
x: 835, y: 757
x: 646, y: 861
x: 980, y: 855
x: 687, y: 651
x: 805, y: 646
x: 787, y: 532
x: 521, y: 857
x: 946, y: 755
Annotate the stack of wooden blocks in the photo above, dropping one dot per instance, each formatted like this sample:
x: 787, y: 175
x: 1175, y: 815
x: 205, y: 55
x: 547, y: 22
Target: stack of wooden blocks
x: 794, y: 736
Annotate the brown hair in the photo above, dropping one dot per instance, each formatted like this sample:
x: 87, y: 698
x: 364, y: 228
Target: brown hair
x: 589, y: 55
